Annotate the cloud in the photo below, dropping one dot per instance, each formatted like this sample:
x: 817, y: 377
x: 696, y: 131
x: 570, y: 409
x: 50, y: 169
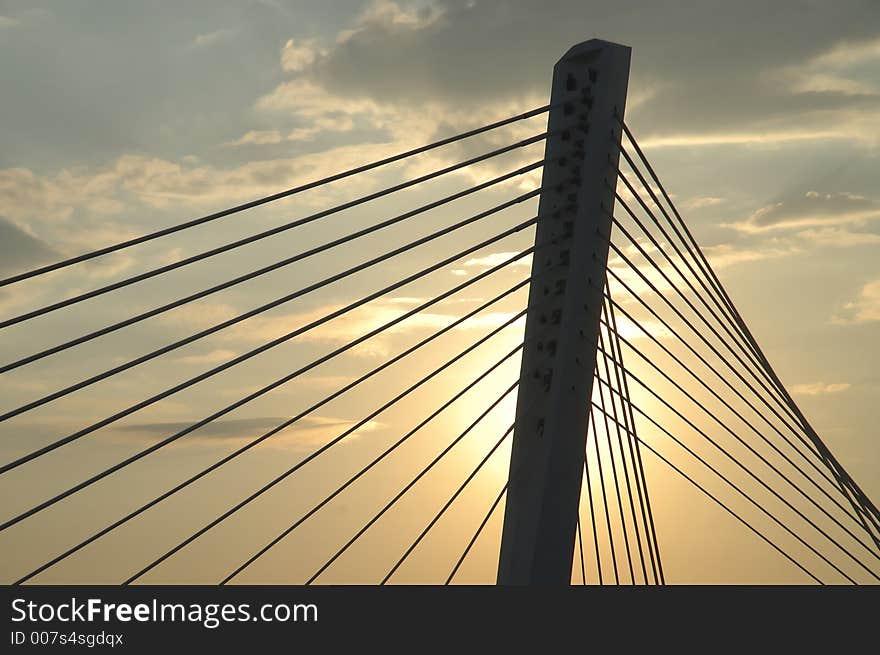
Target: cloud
x: 317, y: 111
x: 631, y: 331
x: 212, y: 357
x: 68, y: 208
x: 235, y: 428
x: 789, y: 85
x: 864, y: 309
x: 660, y: 274
x: 828, y: 72
x: 726, y: 254
x: 355, y: 324
x: 779, y: 101
x: 212, y: 38
x: 305, y: 433
x: 702, y: 201
x: 819, y: 388
x: 848, y: 52
x: 19, y: 250
x: 318, y: 126
x: 411, y: 56
x: 321, y: 107
x: 323, y: 125
x: 412, y: 71
x: 109, y: 266
x: 257, y: 137
x: 297, y: 57
x: 811, y: 209
x: 386, y: 17
x: 340, y: 330
x: 480, y: 264
x: 741, y: 138
x: 200, y: 314
x: 819, y: 83
x: 72, y: 205
x: 839, y: 237
x: 630, y: 277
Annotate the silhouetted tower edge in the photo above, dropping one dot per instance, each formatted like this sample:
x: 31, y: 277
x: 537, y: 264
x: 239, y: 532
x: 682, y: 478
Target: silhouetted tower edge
x: 562, y: 323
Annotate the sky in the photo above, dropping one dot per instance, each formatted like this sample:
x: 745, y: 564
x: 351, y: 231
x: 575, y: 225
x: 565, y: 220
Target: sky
x: 122, y: 117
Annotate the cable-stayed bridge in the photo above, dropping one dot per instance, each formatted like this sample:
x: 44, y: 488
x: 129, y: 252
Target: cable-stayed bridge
x: 526, y: 357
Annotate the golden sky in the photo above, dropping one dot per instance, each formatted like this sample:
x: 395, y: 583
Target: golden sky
x: 122, y: 119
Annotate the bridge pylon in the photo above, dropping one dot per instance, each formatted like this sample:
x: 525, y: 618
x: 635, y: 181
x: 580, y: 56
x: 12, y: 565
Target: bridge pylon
x: 588, y: 96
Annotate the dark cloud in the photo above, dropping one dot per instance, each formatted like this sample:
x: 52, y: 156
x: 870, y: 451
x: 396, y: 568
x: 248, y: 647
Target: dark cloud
x: 306, y: 433
x: 815, y: 208
x: 231, y: 429
x: 95, y: 81
x: 19, y: 250
x: 159, y: 94
x: 706, y: 62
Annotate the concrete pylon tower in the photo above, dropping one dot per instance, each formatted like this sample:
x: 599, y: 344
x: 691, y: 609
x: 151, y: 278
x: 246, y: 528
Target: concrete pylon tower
x: 562, y: 324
